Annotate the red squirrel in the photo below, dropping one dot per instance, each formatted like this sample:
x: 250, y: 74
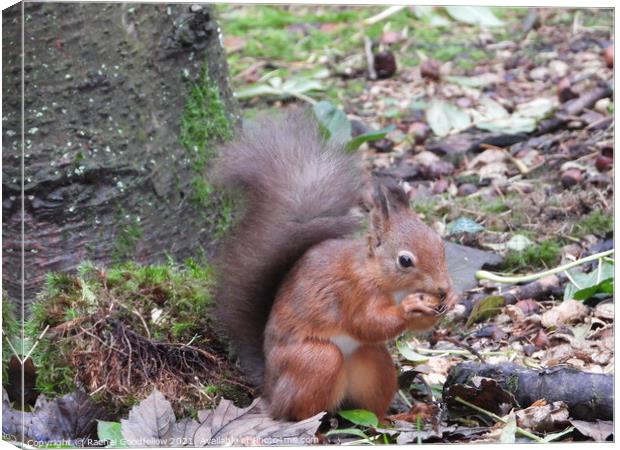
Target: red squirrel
x: 307, y: 305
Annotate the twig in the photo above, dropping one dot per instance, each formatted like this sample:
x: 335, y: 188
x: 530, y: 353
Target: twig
x: 12, y: 348
x: 404, y: 398
x: 458, y: 343
x: 501, y: 420
x: 370, y: 58
x: 383, y: 15
x: 36, y: 342
x: 485, y: 275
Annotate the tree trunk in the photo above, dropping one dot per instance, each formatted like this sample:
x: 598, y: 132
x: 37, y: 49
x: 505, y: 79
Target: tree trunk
x: 106, y: 175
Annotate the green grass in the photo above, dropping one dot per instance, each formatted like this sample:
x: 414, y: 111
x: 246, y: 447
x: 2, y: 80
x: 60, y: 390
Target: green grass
x: 597, y: 222
x: 537, y: 256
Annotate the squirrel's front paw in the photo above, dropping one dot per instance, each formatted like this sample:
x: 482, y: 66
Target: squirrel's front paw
x: 420, y: 304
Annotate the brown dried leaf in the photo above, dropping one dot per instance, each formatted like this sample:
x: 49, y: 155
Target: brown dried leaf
x: 68, y: 418
x: 566, y: 312
x: 599, y: 430
x: 152, y: 423
x: 543, y: 418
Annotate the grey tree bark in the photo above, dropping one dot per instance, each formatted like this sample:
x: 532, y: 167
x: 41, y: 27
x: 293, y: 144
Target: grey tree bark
x: 105, y: 87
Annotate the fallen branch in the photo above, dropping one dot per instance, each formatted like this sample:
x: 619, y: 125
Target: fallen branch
x: 589, y: 396
x: 573, y: 108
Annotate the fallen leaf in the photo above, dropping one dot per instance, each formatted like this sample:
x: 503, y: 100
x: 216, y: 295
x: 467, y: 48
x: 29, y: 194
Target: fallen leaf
x: 599, y: 430
x: 509, y: 430
x: 333, y: 121
x: 444, y: 118
x: 566, y: 312
x: 483, y: 392
x: 464, y: 225
x: 360, y: 417
x: 474, y: 15
x: 477, y: 81
x: 68, y: 418
x: 152, y: 423
x: 485, y: 308
x: 544, y: 418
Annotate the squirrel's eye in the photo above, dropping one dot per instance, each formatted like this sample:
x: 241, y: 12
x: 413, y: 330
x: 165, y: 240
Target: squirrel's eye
x: 405, y: 259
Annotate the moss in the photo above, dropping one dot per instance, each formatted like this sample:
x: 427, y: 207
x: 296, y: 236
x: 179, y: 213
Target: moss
x: 542, y: 255
x: 598, y: 222
x: 204, y: 122
x: 127, y: 240
x: 167, y: 303
x: 204, y: 125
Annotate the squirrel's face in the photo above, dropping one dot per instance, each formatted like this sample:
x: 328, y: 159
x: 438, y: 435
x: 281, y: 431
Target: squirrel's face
x: 409, y: 255
x: 412, y: 257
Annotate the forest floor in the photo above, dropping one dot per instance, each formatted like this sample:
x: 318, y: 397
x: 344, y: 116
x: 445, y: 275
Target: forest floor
x: 498, y: 122
x: 487, y: 137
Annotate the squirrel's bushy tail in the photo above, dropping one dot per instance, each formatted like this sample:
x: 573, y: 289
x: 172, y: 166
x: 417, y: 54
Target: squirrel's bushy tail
x: 297, y: 191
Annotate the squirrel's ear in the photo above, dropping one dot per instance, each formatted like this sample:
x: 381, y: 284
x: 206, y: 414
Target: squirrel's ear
x: 388, y: 198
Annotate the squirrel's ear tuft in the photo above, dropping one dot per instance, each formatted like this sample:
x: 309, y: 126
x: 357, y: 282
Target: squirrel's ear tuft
x: 388, y: 198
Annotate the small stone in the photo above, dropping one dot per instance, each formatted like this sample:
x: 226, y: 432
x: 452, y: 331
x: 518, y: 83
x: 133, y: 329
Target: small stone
x: 602, y: 106
x: 466, y: 189
x: 539, y: 73
x: 385, y: 64
x: 570, y: 178
x: 565, y: 91
x: 558, y: 69
x: 430, y: 69
x: 440, y: 186
x: 419, y: 131
x: 604, y: 163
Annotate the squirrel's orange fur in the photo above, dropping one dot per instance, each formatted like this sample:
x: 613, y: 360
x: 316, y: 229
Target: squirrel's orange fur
x: 309, y: 308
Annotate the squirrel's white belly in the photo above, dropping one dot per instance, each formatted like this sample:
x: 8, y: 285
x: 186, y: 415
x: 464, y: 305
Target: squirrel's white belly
x: 346, y: 344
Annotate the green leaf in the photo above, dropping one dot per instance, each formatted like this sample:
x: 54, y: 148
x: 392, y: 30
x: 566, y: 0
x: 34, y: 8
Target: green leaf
x: 444, y: 117
x: 428, y: 15
x: 256, y: 90
x: 474, y: 15
x: 333, y: 121
x: 509, y: 125
x: 355, y: 143
x: 485, y: 308
x: 604, y: 287
x: 464, y: 225
x: 476, y: 81
x: 360, y: 417
x: 409, y: 354
x: 536, y: 109
x: 111, y: 431
x: 598, y: 281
